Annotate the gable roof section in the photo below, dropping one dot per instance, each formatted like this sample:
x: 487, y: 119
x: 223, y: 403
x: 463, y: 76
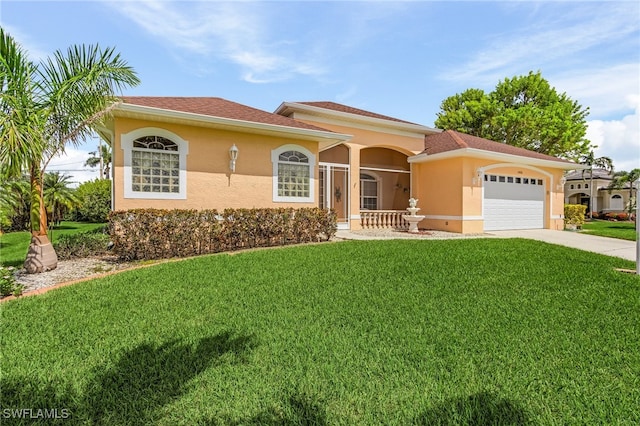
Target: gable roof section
x: 450, y: 143
x: 351, y: 110
x: 217, y: 107
x: 334, y: 112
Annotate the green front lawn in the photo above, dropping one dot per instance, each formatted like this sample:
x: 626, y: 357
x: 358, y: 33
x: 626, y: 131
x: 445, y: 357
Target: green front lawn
x: 606, y: 228
x: 478, y: 331
x: 14, y: 245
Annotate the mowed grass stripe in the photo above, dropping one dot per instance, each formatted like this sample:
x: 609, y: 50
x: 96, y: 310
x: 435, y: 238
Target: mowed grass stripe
x: 393, y: 332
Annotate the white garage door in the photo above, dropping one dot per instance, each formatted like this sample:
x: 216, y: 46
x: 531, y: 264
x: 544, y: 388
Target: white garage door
x: 513, y: 202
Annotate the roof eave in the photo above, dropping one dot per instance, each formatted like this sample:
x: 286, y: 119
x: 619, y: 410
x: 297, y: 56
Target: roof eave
x: 287, y: 108
x: 498, y: 156
x: 229, y: 123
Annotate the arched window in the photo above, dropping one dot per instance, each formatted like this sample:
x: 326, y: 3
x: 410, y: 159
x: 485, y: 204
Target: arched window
x: 155, y: 164
x: 571, y: 187
x: 616, y: 202
x: 369, y: 199
x: 293, y: 168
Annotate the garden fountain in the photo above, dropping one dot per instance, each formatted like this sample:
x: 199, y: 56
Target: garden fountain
x: 413, y: 218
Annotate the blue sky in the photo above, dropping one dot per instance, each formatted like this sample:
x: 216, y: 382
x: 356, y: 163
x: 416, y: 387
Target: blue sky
x: 395, y: 58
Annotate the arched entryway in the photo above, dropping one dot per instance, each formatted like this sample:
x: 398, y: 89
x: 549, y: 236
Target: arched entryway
x: 386, y: 177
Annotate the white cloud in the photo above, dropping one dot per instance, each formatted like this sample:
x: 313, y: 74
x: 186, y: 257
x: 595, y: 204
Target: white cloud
x: 237, y: 32
x: 605, y: 90
x: 72, y: 164
x: 618, y: 140
x: 557, y: 40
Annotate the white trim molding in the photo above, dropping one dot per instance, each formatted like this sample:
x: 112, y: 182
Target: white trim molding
x: 442, y: 217
x: 520, y: 160
x: 275, y: 154
x: 126, y: 144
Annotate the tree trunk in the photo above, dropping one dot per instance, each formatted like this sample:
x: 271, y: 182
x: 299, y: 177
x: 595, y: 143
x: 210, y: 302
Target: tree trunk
x: 41, y: 256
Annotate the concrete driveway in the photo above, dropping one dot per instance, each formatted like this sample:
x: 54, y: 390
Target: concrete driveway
x: 603, y: 245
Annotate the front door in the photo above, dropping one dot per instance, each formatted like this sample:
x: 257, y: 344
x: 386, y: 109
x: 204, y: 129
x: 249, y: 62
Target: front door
x: 334, y: 191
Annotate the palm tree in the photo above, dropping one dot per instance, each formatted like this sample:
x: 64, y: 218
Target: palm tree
x: 620, y: 180
x: 58, y: 196
x: 102, y: 158
x: 46, y: 107
x: 15, y: 203
x: 590, y: 160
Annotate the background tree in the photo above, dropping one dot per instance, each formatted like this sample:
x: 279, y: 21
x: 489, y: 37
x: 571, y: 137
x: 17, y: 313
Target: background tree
x: 94, y: 200
x: 620, y: 180
x: 45, y: 108
x: 101, y: 157
x: 15, y: 204
x: 59, y: 197
x: 604, y: 163
x: 523, y: 111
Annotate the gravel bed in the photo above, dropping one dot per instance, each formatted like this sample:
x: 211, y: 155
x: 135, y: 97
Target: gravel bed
x: 70, y: 270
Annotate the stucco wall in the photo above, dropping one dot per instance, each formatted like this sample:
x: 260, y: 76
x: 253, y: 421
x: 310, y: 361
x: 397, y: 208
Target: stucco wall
x: 450, y: 192
x: 210, y: 185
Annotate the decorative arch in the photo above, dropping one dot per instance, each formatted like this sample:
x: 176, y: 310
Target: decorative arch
x: 293, y: 174
x: 155, y: 164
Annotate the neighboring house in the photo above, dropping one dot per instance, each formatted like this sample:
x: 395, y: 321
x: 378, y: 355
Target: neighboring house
x: 578, y: 191
x: 172, y: 152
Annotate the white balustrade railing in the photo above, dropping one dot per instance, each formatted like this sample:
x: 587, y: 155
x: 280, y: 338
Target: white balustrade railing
x: 378, y: 219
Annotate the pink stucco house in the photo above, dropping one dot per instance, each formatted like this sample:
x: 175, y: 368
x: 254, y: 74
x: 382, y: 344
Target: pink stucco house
x: 185, y: 152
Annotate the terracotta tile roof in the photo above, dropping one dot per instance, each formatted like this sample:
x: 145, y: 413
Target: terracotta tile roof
x: 450, y: 140
x: 350, y: 110
x: 217, y: 107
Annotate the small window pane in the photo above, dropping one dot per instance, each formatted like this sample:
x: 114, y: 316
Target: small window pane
x: 510, y: 179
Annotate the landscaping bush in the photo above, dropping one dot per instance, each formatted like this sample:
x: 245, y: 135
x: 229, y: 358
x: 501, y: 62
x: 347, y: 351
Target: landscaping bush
x: 94, y: 201
x: 595, y: 215
x: 574, y: 214
x: 155, y: 234
x: 611, y: 216
x: 84, y: 244
x: 8, y: 285
x: 622, y: 216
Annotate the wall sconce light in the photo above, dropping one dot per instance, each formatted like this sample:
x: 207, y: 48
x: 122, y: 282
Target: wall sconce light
x: 477, y: 179
x: 233, y: 155
x: 561, y: 183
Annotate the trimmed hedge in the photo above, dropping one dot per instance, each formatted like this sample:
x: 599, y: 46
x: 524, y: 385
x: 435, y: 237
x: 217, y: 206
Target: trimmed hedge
x: 574, y: 214
x: 144, y: 234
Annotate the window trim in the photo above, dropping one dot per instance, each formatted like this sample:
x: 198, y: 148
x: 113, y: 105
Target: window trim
x: 275, y: 161
x: 126, y: 144
x: 375, y: 178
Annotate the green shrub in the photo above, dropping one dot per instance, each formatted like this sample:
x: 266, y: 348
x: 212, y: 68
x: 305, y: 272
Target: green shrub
x: 94, y: 201
x: 84, y: 244
x: 574, y: 214
x: 156, y: 234
x: 8, y: 285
